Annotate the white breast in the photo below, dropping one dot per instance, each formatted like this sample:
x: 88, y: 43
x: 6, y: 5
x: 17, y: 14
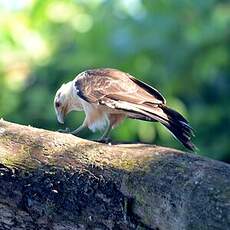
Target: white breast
x: 96, y: 118
x: 99, y: 124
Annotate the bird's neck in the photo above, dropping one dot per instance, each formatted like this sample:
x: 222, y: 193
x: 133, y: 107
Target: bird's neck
x: 73, y: 102
x: 69, y: 92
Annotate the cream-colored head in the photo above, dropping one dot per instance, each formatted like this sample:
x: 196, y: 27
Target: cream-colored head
x: 65, y: 101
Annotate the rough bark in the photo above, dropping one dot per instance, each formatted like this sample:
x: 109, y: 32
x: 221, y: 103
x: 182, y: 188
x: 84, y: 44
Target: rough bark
x: 50, y: 180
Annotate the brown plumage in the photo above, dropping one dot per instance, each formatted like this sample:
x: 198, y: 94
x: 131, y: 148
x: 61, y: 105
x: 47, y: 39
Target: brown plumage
x: 114, y: 95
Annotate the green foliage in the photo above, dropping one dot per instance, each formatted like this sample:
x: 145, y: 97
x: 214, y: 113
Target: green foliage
x: 180, y: 47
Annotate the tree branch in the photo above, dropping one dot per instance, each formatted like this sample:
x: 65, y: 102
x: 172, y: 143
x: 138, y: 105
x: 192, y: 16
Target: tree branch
x: 50, y: 180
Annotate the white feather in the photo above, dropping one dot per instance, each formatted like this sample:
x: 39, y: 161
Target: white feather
x: 99, y: 124
x: 100, y: 118
x: 96, y: 118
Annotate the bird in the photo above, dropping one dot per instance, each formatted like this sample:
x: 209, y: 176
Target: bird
x: 108, y: 96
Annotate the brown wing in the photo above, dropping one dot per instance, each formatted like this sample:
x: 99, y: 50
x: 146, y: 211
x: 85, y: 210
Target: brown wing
x: 103, y: 85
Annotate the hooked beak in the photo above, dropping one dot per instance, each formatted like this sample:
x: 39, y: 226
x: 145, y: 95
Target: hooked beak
x: 60, y: 117
x: 61, y: 114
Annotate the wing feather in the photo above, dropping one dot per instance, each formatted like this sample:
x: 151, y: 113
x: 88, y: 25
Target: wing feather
x: 95, y: 85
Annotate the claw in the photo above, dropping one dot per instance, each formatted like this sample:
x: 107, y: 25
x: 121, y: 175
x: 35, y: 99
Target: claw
x: 104, y: 140
x: 66, y: 130
x: 73, y: 133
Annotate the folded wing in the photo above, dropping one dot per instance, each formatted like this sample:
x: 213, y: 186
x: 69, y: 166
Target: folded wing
x: 98, y: 84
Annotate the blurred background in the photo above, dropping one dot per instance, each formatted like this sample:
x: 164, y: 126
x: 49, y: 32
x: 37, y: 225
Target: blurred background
x: 180, y: 47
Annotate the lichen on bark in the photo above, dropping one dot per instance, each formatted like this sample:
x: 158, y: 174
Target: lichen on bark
x: 50, y: 180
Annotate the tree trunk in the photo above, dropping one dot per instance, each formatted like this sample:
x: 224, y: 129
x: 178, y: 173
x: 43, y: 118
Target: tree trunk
x: 50, y: 180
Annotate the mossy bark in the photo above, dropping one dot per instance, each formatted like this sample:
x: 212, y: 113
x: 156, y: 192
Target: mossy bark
x: 50, y: 180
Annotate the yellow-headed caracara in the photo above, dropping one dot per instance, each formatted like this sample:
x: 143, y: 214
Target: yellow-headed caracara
x: 108, y: 96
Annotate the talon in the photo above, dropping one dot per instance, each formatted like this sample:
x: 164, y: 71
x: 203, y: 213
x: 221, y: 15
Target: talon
x: 104, y: 140
x: 73, y: 133
x: 66, y: 130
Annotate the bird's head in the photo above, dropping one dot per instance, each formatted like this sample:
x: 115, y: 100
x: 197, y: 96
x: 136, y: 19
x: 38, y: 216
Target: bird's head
x: 64, y: 101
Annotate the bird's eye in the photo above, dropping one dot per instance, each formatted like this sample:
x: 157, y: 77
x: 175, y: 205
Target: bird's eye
x: 57, y: 104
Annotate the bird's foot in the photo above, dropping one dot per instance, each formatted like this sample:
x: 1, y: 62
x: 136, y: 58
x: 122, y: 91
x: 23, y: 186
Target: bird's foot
x: 106, y: 140
x: 74, y: 133
x: 66, y: 130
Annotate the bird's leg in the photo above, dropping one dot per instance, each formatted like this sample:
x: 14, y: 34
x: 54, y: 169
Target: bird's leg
x: 74, y: 132
x: 66, y: 130
x: 79, y: 129
x: 106, y: 133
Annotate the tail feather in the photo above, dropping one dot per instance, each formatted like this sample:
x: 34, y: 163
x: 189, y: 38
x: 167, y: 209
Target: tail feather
x: 171, y: 119
x: 179, y: 126
x: 184, y: 139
